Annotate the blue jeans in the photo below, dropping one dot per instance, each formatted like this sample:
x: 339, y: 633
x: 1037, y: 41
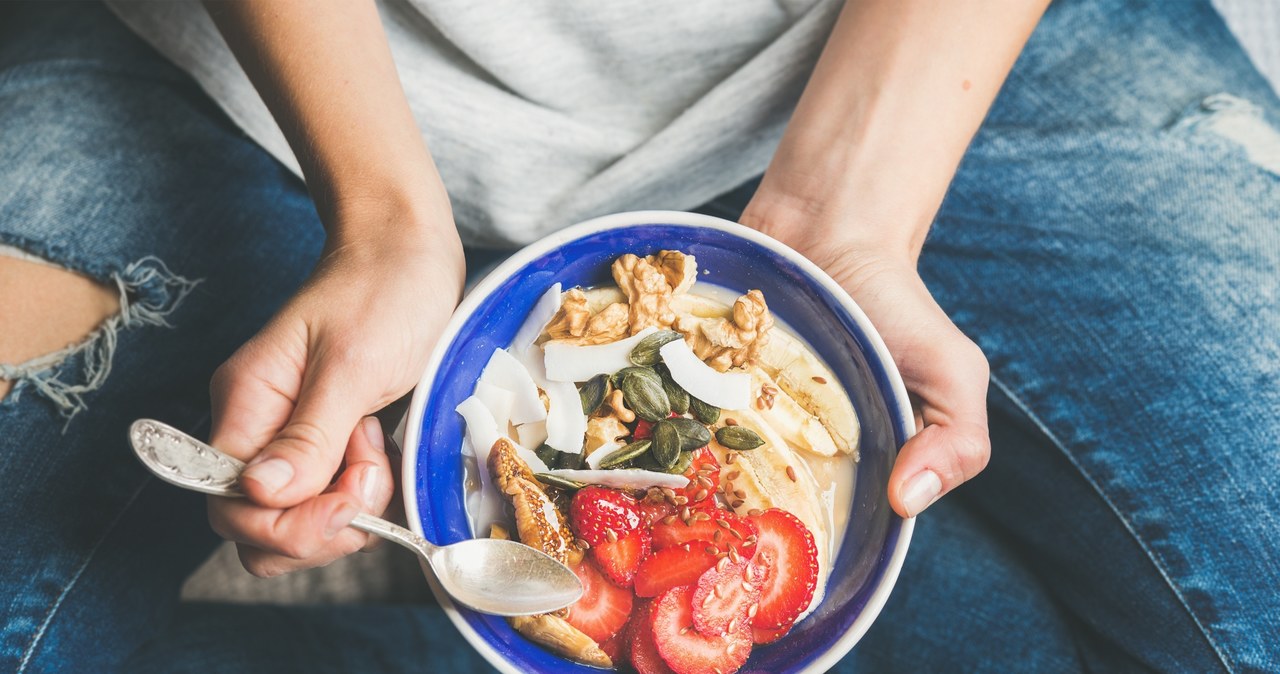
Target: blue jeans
x: 1112, y: 241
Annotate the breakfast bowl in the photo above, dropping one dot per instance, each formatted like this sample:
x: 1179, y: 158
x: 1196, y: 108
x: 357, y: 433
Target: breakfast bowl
x: 869, y: 546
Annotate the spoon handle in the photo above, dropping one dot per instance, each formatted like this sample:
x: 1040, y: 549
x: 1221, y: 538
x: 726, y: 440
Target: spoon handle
x: 179, y: 459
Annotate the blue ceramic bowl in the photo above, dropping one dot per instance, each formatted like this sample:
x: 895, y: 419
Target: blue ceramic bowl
x: 735, y: 257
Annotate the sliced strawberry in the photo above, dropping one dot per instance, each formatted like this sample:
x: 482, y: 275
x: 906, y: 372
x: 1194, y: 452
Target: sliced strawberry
x: 644, y: 651
x: 785, y: 546
x: 615, y: 646
x: 763, y: 636
x: 620, y: 559
x: 684, y: 649
x: 725, y: 595
x: 704, y: 470
x: 604, y: 607
x: 672, y: 567
x: 643, y: 431
x: 719, y: 528
x: 597, y: 511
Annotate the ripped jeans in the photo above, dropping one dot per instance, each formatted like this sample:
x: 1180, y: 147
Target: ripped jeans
x: 1112, y: 241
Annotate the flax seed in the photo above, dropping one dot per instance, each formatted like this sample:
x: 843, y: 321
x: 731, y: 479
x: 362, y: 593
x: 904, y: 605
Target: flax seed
x: 748, y: 586
x: 724, y: 524
x: 711, y: 549
x: 706, y: 601
x: 734, y: 474
x: 724, y: 561
x: 680, y: 501
x: 791, y: 473
x: 611, y: 535
x: 701, y: 494
x: 735, y: 533
x: 706, y: 481
x: 715, y: 538
x: 684, y: 513
x: 753, y: 512
x: 820, y: 380
x: 733, y: 627
x: 669, y: 493
x: 730, y: 421
x: 730, y: 458
x: 700, y: 516
x: 735, y: 504
x: 739, y: 493
x: 685, y: 630
x: 733, y: 555
x: 669, y: 520
x: 583, y: 544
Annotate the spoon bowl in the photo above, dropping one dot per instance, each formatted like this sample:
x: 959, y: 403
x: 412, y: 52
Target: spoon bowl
x: 494, y: 576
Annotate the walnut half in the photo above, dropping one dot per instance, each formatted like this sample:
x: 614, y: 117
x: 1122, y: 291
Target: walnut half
x: 575, y: 324
x: 723, y: 343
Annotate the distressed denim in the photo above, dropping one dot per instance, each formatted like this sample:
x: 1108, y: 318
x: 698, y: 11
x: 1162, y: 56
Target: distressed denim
x: 1111, y: 240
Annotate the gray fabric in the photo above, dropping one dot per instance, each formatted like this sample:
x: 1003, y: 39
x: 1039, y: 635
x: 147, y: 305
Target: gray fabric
x: 541, y: 113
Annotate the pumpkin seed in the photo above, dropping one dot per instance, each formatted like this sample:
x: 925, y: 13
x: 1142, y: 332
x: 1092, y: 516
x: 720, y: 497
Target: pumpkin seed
x: 666, y: 444
x: 569, y: 461
x: 738, y: 437
x: 678, y: 397
x: 559, y: 482
x: 593, y: 392
x: 623, y: 456
x: 682, y: 464
x: 633, y: 370
x: 646, y: 462
x: 643, y: 393
x: 548, y: 454
x: 646, y: 352
x: 707, y: 414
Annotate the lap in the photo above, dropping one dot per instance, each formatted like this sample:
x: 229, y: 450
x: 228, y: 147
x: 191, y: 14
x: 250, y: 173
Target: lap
x: 114, y: 165
x: 1111, y: 242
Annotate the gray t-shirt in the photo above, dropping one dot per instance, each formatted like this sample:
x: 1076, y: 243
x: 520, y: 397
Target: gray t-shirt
x: 540, y: 113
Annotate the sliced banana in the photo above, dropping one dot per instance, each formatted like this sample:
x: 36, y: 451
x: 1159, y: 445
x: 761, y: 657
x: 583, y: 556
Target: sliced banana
x: 773, y: 476
x: 792, y: 421
x: 808, y: 381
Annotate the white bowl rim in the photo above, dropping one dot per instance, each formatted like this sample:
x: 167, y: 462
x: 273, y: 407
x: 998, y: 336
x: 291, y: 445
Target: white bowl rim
x: 413, y: 423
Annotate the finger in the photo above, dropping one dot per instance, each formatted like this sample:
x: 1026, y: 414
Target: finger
x: 250, y: 398
x: 953, y: 444
x: 305, y: 533
x: 302, y: 458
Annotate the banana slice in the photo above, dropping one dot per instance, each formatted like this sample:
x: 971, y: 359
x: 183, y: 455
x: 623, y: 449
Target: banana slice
x: 773, y: 476
x: 793, y: 422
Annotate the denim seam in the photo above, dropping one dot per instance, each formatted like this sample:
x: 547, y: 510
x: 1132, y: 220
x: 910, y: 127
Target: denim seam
x: 75, y: 578
x: 1043, y: 428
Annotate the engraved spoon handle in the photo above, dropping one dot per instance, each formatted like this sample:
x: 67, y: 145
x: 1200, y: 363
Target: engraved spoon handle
x: 184, y: 461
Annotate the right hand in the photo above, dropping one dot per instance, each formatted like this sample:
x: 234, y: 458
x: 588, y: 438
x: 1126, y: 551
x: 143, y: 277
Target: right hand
x: 294, y: 401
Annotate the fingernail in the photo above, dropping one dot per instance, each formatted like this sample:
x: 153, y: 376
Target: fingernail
x: 920, y: 492
x: 273, y: 474
x: 373, y: 431
x: 369, y: 486
x: 340, y: 519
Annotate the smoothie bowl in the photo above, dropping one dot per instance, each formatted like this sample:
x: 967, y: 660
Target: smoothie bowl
x: 694, y: 418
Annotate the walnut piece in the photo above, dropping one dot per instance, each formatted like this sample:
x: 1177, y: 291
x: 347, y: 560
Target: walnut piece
x: 574, y: 323
x: 602, y: 431
x: 723, y: 343
x: 648, y: 293
x: 679, y: 270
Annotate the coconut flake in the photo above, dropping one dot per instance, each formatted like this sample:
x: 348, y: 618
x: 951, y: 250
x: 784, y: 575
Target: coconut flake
x: 535, y: 464
x: 539, y: 317
x: 566, y: 424
x: 625, y: 478
x: 594, y: 458
x: 532, y: 434
x: 506, y: 372
x: 482, y: 435
x: 726, y: 390
x: 498, y: 401
x: 575, y: 362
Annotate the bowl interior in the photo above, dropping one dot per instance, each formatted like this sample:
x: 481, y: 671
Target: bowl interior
x: 731, y: 261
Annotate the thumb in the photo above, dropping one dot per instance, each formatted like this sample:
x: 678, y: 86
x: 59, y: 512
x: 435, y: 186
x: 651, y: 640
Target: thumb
x: 935, y: 461
x: 301, y: 460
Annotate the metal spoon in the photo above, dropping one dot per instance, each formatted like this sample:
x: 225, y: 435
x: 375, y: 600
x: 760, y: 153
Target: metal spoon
x: 489, y: 575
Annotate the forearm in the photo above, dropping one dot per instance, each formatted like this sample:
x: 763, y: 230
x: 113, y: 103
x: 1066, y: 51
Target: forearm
x: 325, y: 70
x: 897, y: 95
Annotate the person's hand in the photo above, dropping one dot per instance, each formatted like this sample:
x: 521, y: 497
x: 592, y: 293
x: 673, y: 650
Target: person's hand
x: 292, y: 401
x: 945, y: 372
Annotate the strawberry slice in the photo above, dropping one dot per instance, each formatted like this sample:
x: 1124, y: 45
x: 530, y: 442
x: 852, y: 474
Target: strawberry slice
x: 615, y: 646
x: 644, y: 650
x: 672, y: 567
x: 604, y: 607
x: 725, y: 595
x: 704, y: 478
x: 601, y: 515
x: 685, y: 650
x: 643, y: 431
x: 718, y: 528
x: 787, y: 548
x: 620, y: 559
x: 763, y: 636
